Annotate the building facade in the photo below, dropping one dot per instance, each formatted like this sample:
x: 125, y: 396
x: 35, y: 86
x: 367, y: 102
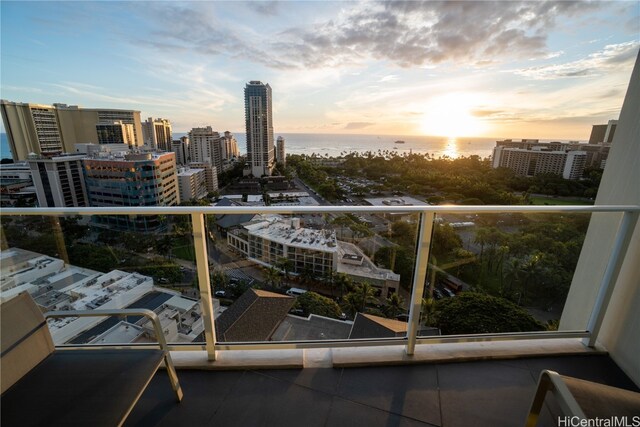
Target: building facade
x: 281, y: 156
x: 210, y: 173
x: 53, y: 129
x: 228, y: 148
x: 181, y: 148
x: 133, y: 179
x: 192, y: 184
x: 259, y: 128
x: 568, y: 164
x: 115, y: 133
x: 157, y: 133
x: 59, y: 181
x: 204, y: 147
x: 603, y: 133
x: 270, y: 240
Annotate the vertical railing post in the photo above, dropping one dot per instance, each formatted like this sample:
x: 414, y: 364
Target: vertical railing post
x: 611, y: 272
x: 202, y: 264
x: 419, y: 277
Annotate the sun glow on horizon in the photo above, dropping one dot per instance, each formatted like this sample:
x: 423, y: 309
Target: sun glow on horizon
x: 451, y: 116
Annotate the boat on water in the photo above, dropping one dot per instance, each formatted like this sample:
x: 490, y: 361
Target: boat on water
x: 399, y: 142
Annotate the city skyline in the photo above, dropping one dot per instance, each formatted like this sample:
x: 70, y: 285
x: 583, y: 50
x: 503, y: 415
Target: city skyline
x: 532, y: 70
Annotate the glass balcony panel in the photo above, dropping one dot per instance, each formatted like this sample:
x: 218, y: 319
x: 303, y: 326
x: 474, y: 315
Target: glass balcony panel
x: 75, y: 263
x: 326, y: 272
x: 505, y: 272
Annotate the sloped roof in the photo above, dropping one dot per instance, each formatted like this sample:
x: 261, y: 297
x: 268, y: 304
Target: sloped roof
x: 253, y: 317
x: 370, y: 326
x: 227, y: 221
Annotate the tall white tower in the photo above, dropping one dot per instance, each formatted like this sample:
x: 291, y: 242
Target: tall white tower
x: 259, y: 128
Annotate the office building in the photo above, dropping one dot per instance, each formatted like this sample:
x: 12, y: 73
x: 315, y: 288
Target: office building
x: 132, y: 179
x: 181, y: 148
x: 259, y: 128
x: 210, y: 173
x: 53, y: 129
x: 603, y: 133
x: 157, y: 134
x: 204, y: 147
x: 192, y: 184
x: 281, y: 156
x: 58, y: 180
x: 115, y: 133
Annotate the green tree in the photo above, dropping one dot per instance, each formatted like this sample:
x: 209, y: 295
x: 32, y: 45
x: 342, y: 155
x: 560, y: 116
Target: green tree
x: 474, y: 313
x: 313, y: 303
x: 393, y: 305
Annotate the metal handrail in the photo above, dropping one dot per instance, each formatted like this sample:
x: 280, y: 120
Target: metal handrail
x: 162, y: 342
x: 230, y: 210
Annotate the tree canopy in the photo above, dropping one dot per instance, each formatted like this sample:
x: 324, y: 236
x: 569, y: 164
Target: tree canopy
x: 475, y: 313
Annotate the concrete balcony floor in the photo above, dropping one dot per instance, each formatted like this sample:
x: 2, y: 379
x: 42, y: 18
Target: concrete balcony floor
x: 490, y: 393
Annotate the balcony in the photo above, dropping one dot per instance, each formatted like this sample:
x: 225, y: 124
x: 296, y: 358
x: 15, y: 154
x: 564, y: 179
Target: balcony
x: 334, y: 381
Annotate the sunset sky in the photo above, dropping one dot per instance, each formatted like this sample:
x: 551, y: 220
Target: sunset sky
x: 503, y: 69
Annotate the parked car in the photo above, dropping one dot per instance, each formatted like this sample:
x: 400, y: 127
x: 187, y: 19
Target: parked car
x: 220, y: 294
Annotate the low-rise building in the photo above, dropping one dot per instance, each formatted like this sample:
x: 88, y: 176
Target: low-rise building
x: 268, y: 239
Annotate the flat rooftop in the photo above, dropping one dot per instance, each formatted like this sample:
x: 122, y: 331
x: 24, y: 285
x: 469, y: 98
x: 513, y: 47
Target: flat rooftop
x: 284, y: 232
x: 395, y: 201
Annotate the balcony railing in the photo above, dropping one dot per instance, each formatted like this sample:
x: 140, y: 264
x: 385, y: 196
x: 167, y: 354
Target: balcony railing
x: 627, y: 217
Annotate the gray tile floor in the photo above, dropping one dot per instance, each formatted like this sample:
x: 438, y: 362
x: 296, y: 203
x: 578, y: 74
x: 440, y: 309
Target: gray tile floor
x: 484, y: 393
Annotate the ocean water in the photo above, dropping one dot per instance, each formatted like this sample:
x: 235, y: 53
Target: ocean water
x: 5, y: 151
x: 334, y: 145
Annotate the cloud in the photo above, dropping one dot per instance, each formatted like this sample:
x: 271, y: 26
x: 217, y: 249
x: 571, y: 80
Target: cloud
x: 268, y: 8
x: 406, y: 34
x: 389, y: 78
x: 611, y: 57
x: 358, y: 125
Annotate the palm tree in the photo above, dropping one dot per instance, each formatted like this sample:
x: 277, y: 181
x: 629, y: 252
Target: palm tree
x: 393, y: 305
x: 286, y: 265
x: 367, y: 294
x: 343, y: 282
x: 272, y: 277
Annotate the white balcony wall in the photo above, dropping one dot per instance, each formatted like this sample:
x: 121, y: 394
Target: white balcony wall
x: 620, y: 185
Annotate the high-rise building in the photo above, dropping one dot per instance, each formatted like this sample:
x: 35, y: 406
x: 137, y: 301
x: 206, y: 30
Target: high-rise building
x: 210, y: 173
x: 53, y: 129
x: 281, y: 156
x: 259, y: 128
x: 603, y: 133
x: 133, y: 179
x: 229, y: 146
x: 192, y: 183
x: 59, y: 180
x: 204, y: 146
x: 115, y: 133
x: 181, y: 148
x: 157, y: 133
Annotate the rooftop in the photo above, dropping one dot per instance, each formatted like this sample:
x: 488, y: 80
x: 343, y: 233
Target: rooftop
x: 289, y: 233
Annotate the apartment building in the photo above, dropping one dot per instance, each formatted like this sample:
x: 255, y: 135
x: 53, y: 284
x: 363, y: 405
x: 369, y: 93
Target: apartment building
x: 192, y: 183
x: 537, y: 159
x: 157, y: 134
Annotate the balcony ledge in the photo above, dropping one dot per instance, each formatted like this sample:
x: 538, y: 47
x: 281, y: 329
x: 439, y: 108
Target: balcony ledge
x: 381, y: 355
